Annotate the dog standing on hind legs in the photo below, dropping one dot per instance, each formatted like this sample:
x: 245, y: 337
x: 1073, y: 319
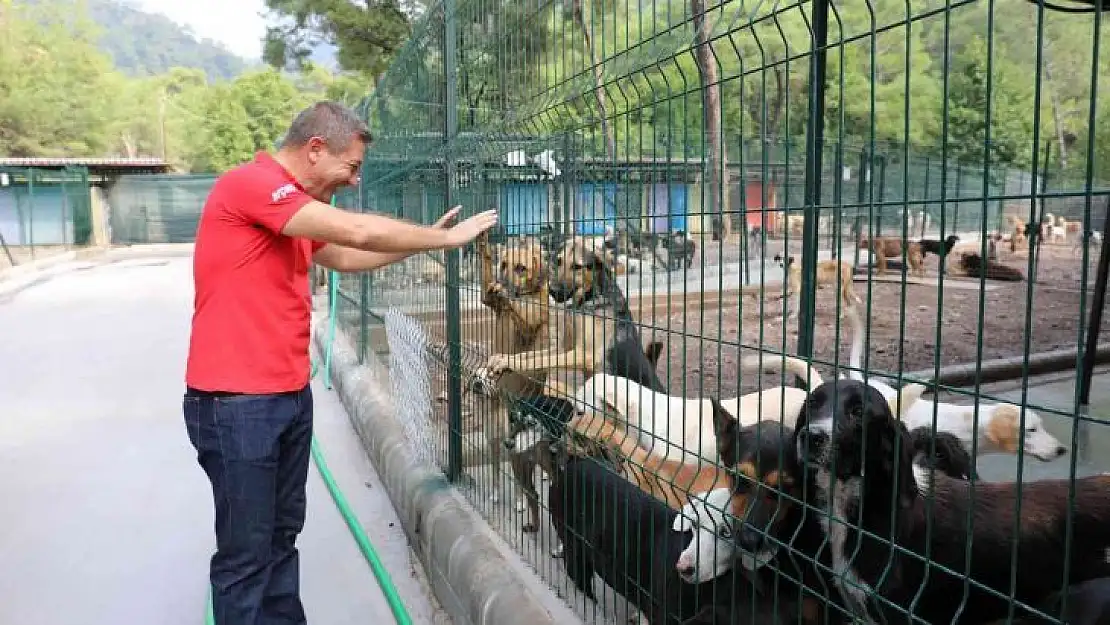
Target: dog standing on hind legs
x: 515, y: 289
x: 599, y: 334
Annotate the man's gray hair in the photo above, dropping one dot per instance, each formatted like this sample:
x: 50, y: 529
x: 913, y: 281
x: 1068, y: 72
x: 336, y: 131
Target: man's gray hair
x: 336, y: 124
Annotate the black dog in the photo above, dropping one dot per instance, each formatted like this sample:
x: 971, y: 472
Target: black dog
x: 780, y: 533
x: 938, y: 247
x: 628, y: 538
x: 1088, y: 603
x: 944, y: 452
x: 860, y: 459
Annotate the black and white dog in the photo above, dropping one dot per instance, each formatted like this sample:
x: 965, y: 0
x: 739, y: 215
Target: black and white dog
x: 889, y: 513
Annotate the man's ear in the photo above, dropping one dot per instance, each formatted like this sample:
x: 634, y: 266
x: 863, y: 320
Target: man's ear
x: 727, y: 431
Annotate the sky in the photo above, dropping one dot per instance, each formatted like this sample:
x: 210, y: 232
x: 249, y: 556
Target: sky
x: 235, y: 23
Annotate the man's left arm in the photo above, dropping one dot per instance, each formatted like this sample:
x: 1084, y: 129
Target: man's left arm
x: 350, y: 260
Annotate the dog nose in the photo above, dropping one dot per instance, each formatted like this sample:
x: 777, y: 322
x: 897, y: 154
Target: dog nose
x: 751, y: 539
x: 808, y: 442
x: 685, y: 570
x: 1061, y: 450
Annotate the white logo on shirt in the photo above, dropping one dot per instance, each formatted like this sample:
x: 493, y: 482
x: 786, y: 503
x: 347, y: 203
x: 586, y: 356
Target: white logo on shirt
x: 283, y: 192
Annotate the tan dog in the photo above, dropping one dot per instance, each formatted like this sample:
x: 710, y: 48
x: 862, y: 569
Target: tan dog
x: 515, y: 289
x: 891, y: 247
x: 829, y: 273
x: 598, y: 331
x: 1017, y: 231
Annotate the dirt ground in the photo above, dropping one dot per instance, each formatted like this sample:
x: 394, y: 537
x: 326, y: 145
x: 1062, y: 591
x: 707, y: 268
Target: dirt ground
x: 703, y: 347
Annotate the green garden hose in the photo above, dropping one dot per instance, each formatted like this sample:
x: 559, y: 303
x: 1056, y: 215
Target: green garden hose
x: 396, y: 605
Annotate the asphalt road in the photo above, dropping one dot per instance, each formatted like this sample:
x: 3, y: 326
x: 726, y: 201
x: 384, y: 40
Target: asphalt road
x: 106, y: 517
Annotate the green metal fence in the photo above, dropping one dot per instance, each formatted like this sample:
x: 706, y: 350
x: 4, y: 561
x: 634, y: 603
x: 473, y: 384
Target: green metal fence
x: 42, y: 212
x: 723, y: 135
x: 157, y: 208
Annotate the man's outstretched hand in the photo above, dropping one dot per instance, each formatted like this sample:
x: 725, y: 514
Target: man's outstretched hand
x: 448, y: 218
x: 469, y: 229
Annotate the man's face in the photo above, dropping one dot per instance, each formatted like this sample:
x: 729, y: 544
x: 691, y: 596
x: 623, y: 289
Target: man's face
x: 328, y: 172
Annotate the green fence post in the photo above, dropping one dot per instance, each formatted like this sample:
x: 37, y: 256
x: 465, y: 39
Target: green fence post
x: 815, y: 139
x: 925, y: 205
x: 882, y: 195
x: 454, y: 313
x: 956, y: 204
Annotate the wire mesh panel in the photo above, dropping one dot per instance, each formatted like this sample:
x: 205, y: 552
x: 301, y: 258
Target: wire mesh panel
x: 42, y: 212
x: 710, y: 213
x: 157, y: 208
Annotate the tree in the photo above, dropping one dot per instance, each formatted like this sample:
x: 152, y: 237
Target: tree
x: 227, y: 135
x: 366, y: 34
x: 1011, y: 132
x: 270, y: 102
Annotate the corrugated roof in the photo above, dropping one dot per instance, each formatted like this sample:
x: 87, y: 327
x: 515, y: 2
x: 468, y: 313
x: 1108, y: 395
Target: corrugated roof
x: 81, y: 162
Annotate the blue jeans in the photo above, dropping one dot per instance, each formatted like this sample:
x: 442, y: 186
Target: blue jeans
x: 255, y: 451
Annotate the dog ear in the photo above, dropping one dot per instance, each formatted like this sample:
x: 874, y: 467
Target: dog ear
x: 653, y: 350
x: 907, y: 396
x: 726, y: 429
x: 897, y: 451
x: 684, y: 521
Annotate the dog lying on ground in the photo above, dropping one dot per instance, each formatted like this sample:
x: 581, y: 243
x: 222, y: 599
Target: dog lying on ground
x: 973, y: 266
x: 859, y: 459
x: 883, y: 248
x: 834, y: 273
x: 658, y: 560
x: 999, y: 427
x: 677, y: 428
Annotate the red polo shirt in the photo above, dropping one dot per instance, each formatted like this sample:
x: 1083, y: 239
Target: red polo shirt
x: 252, y: 302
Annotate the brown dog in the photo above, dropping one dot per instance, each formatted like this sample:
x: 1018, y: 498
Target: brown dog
x: 891, y: 247
x: 515, y: 289
x: 828, y: 273
x: 669, y: 481
x: 598, y: 331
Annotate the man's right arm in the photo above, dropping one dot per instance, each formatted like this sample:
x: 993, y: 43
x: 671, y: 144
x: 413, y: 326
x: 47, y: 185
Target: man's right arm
x: 366, y: 231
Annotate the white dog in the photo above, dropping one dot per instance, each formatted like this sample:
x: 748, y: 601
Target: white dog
x: 680, y: 428
x: 999, y: 424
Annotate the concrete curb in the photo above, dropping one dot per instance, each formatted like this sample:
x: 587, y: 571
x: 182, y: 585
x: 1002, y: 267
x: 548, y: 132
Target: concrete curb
x: 475, y: 576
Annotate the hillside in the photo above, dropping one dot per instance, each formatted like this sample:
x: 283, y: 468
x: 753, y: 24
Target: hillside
x: 145, y: 44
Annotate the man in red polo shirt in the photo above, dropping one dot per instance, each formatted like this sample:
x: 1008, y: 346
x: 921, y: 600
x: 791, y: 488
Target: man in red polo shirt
x: 248, y: 403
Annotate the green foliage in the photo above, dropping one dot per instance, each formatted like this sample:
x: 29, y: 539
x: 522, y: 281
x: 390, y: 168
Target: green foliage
x: 61, y: 96
x: 894, y: 72
x: 228, y: 139
x: 147, y: 44
x: 366, y: 34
